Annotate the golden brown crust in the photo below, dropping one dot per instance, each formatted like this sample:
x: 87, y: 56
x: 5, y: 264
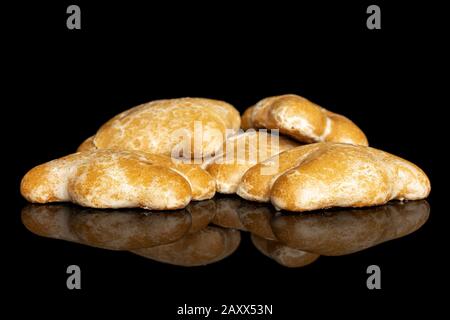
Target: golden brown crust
x: 240, y: 153
x: 303, y: 120
x: 343, y: 130
x: 163, y: 126
x: 87, y: 145
x: 117, y: 179
x: 257, y: 181
x: 202, y: 184
x: 327, y: 175
x: 246, y: 119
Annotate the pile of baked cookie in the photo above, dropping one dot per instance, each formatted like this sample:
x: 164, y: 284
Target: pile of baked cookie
x: 163, y: 154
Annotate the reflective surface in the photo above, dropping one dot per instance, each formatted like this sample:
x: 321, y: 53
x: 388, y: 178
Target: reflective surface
x: 209, y: 231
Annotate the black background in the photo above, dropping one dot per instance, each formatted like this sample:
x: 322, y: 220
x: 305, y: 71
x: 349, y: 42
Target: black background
x: 64, y: 84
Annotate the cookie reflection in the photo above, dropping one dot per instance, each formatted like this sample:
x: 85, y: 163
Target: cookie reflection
x: 256, y: 218
x: 227, y: 213
x: 209, y: 231
x: 108, y: 229
x: 340, y: 232
x: 51, y: 221
x: 206, y: 246
x: 202, y: 213
x: 129, y: 229
x: 284, y: 255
